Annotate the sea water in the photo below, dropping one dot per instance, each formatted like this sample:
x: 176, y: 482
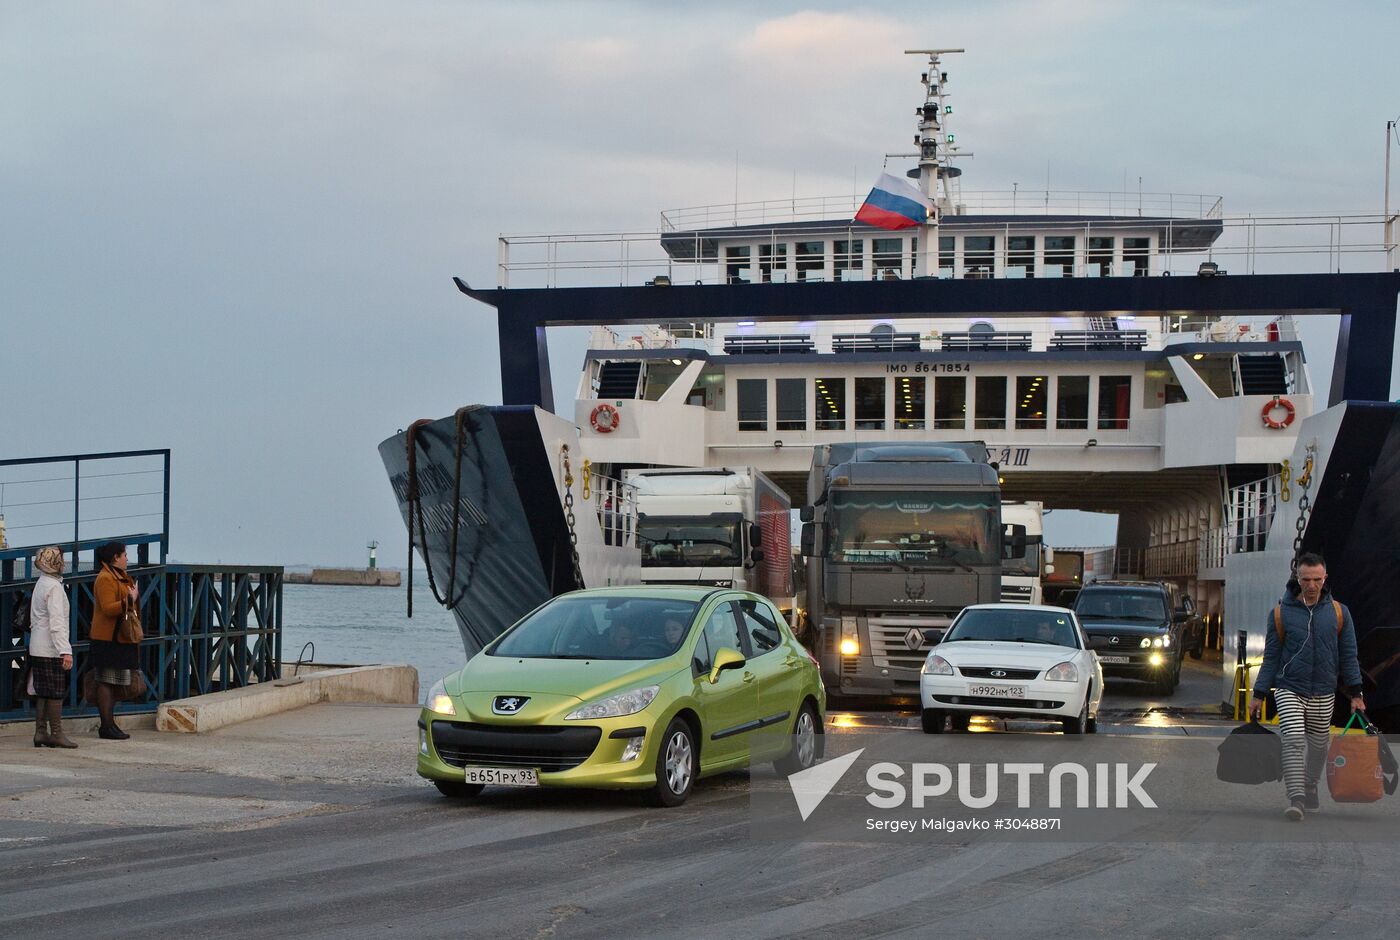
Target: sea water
x: 364, y: 625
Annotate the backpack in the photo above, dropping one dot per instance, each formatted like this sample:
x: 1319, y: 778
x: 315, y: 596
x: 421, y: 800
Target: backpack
x: 1278, y: 619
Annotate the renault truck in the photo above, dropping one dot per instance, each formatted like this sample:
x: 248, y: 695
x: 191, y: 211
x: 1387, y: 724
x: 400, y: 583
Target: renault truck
x: 722, y: 527
x: 898, y: 537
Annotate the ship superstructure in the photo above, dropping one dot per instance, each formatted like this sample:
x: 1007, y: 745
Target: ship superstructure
x: 1156, y: 416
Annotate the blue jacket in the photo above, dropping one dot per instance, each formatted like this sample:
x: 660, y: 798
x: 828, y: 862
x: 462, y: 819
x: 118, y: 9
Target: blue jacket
x: 1313, y: 655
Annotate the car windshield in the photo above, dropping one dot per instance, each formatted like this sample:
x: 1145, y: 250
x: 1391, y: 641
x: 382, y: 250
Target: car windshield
x: 681, y: 541
x: 1015, y: 626
x: 1143, y: 606
x: 939, y: 528
x: 603, y: 626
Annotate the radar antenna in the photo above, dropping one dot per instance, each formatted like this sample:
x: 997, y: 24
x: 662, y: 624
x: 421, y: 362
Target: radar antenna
x: 937, y: 149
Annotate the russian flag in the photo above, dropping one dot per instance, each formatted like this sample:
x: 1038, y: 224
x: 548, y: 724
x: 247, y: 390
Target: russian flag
x: 893, y: 204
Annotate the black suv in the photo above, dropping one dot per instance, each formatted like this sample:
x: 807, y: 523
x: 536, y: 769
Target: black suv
x: 1140, y: 629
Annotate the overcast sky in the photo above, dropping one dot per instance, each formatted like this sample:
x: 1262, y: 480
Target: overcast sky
x: 229, y: 229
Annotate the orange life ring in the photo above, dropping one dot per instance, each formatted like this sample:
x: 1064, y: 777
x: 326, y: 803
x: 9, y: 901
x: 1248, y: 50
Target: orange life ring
x: 605, y: 419
x: 1268, y: 413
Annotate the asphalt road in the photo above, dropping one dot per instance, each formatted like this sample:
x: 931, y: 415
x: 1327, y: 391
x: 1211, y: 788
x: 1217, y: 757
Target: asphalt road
x: 312, y: 824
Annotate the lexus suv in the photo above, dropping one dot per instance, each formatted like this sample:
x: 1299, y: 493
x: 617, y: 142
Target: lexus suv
x: 1140, y: 630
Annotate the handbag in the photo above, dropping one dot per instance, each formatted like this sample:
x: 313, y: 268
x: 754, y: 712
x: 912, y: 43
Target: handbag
x: 1355, y: 765
x: 1251, y: 754
x: 128, y: 629
x: 134, y: 690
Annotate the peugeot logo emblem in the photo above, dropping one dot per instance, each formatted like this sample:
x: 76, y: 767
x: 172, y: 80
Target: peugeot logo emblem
x: 1113, y: 641
x: 508, y: 704
x: 998, y: 673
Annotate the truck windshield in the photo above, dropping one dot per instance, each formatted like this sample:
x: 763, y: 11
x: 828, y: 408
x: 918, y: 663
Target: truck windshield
x: 911, y: 526
x: 1028, y: 567
x: 688, y: 542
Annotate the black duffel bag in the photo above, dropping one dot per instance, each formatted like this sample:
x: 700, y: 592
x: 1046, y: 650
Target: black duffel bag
x: 1250, y: 753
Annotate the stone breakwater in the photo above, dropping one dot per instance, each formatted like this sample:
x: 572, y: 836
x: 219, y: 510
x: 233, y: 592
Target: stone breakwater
x: 355, y: 577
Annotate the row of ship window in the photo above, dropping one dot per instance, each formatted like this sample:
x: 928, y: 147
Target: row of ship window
x: 896, y: 255
x: 937, y: 402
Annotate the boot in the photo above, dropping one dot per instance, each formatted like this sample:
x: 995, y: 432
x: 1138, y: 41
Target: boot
x: 56, y: 736
x: 105, y: 706
x: 41, y: 723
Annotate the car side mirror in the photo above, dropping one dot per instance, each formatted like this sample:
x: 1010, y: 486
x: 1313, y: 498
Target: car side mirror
x: 756, y: 554
x: 726, y: 658
x: 807, y: 513
x: 1181, y: 615
x: 1049, y: 569
x: 755, y: 534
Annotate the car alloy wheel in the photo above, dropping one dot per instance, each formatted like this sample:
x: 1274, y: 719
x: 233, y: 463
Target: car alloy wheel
x: 807, y: 742
x: 675, y: 766
x: 678, y: 759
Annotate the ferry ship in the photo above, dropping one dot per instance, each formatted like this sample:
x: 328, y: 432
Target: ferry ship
x: 1126, y: 353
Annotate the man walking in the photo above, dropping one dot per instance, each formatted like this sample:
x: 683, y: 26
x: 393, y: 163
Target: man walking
x: 1309, y: 642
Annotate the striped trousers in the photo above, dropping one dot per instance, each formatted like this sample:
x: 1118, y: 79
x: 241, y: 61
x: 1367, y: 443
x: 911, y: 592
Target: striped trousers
x: 1305, y: 725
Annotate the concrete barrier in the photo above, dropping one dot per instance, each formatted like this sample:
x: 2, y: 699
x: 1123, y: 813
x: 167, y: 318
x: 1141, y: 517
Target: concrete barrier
x: 394, y: 685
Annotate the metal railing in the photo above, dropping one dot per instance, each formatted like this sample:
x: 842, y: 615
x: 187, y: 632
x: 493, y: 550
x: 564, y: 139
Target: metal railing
x: 615, y: 503
x: 207, y: 628
x: 1171, y: 560
x: 1251, y: 244
x: 1046, y: 334
x: 1000, y: 202
x: 64, y: 501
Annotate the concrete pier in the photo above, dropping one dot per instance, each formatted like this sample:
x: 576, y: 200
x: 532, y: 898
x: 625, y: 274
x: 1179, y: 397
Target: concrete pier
x: 348, y: 577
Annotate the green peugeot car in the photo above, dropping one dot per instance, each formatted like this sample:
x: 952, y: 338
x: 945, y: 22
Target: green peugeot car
x: 627, y: 688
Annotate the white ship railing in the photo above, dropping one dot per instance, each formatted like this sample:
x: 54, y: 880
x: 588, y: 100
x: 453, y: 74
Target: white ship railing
x: 1029, y: 334
x: 984, y: 202
x: 1253, y: 244
x: 1249, y: 513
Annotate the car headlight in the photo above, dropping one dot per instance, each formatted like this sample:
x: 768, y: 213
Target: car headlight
x: 1161, y: 642
x: 615, y: 706
x: 1062, y: 672
x: 936, y: 665
x: 438, y: 699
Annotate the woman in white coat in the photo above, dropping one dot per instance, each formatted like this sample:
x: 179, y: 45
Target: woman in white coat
x: 50, y: 653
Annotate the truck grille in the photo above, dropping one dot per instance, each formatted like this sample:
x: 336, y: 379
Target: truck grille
x: 1015, y: 593
x: 889, y: 646
x: 549, y: 749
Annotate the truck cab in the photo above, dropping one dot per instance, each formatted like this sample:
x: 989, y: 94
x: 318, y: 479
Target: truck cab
x: 899, y: 538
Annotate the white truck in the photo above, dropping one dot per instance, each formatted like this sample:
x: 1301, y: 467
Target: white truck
x: 723, y: 526
x: 1021, y: 577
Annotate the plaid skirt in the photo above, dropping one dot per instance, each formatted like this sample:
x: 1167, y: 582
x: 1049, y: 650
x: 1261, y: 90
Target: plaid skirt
x: 49, y: 677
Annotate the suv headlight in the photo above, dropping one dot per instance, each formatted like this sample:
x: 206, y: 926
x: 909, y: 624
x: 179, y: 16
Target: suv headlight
x: 1062, y: 672
x: 438, y: 699
x: 936, y: 665
x: 615, y: 706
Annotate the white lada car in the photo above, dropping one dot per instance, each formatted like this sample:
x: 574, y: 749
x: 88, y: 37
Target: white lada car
x: 1012, y: 660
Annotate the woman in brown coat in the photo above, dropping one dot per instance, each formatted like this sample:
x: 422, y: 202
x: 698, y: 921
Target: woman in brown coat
x: 112, y: 661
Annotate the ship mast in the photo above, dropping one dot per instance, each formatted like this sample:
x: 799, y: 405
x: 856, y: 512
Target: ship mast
x: 937, y: 148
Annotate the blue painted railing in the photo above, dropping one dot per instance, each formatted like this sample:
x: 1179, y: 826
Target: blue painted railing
x: 207, y: 627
